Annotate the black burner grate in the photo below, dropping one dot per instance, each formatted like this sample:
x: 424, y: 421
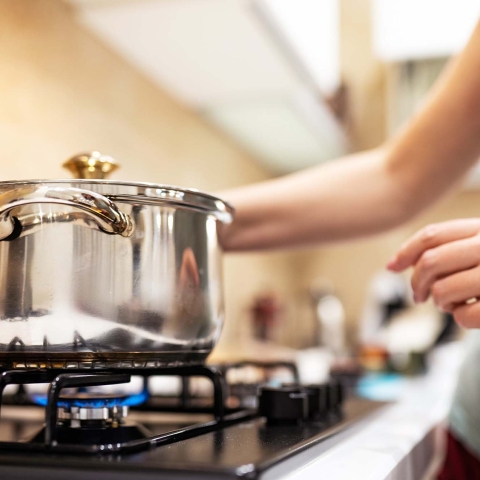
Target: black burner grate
x: 50, y: 440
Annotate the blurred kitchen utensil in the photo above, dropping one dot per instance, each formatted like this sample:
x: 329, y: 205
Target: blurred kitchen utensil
x: 330, y: 316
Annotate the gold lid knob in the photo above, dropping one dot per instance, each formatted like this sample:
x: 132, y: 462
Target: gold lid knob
x: 91, y: 165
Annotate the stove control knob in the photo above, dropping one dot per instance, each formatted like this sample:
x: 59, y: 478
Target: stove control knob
x: 340, y: 393
x: 286, y: 404
x: 317, y: 401
x: 335, y: 398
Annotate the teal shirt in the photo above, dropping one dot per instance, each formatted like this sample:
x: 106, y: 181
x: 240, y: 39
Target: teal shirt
x: 465, y: 412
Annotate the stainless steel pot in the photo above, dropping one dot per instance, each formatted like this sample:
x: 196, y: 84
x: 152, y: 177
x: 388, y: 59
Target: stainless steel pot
x: 96, y: 273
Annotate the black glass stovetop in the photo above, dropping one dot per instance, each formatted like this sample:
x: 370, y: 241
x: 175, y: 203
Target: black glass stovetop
x: 241, y: 445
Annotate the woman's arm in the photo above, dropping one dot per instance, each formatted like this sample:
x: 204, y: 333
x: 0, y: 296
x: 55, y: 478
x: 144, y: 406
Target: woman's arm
x: 375, y: 190
x: 446, y: 265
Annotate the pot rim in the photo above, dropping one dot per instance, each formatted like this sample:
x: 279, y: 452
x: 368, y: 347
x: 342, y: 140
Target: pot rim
x: 164, y: 193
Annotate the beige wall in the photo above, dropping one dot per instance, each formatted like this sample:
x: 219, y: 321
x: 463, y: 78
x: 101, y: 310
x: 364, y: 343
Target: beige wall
x: 363, y: 75
x: 62, y: 91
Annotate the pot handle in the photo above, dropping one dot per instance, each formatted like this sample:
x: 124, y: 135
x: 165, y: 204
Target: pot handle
x: 103, y: 211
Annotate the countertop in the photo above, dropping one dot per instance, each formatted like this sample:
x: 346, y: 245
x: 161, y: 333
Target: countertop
x: 398, y: 443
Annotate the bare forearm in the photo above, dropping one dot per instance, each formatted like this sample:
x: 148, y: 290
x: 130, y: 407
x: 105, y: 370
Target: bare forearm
x: 351, y: 197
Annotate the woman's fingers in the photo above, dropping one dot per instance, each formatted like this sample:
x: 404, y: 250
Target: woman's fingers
x: 446, y: 257
x: 456, y: 289
x: 430, y: 237
x: 444, y: 260
x: 468, y: 316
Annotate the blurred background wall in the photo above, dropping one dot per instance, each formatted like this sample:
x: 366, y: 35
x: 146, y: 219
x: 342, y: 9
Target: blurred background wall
x: 65, y: 88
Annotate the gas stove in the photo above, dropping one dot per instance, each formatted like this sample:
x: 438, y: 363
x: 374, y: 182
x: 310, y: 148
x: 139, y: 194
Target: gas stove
x: 238, y: 429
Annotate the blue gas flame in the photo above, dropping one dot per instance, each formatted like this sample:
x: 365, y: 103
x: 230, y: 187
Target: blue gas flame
x: 120, y: 401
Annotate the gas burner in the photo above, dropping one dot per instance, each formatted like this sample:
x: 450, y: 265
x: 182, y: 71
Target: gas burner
x: 91, y: 410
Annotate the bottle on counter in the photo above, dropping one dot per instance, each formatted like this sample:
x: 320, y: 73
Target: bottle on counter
x: 329, y: 315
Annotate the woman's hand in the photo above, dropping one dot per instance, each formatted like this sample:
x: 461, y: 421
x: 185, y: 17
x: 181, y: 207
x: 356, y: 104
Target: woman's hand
x: 446, y: 261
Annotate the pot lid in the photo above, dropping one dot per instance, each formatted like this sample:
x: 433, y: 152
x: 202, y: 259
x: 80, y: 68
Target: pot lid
x: 91, y: 169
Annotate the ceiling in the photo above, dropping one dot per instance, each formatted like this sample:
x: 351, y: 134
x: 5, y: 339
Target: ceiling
x: 257, y: 69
